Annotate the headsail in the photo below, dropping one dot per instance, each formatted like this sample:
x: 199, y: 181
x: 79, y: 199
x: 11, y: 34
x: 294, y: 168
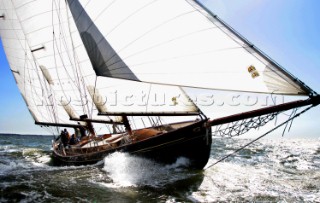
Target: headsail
x: 188, y: 46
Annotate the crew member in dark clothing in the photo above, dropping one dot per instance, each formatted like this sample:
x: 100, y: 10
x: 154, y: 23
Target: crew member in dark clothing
x: 73, y: 140
x: 64, y: 137
x: 82, y: 131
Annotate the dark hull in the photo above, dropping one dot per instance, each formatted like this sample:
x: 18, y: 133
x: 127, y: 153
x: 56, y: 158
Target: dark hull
x: 192, y: 142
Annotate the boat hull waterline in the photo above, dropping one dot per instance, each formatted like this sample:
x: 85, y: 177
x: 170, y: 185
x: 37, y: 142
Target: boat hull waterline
x: 192, y: 142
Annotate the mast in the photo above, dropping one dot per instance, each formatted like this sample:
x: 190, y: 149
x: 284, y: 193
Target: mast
x: 127, y: 124
x: 46, y: 64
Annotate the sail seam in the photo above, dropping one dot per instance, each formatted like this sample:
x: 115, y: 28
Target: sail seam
x: 149, y: 31
x: 167, y: 42
x: 181, y: 56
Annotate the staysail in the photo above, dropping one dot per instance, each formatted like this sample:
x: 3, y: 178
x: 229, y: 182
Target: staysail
x: 176, y: 42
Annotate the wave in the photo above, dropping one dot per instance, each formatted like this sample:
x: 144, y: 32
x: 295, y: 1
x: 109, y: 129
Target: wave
x: 270, y: 170
x: 127, y: 170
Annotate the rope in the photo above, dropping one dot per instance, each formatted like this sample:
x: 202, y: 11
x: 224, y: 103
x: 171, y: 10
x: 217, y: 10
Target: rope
x: 236, y: 151
x: 241, y: 127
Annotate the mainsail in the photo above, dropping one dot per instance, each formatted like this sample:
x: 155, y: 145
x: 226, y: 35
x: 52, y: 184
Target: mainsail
x: 30, y: 81
x: 45, y: 27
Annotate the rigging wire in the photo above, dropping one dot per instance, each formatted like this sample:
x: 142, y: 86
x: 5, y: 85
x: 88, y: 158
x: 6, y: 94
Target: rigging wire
x: 147, y: 32
x: 34, y: 94
x: 258, y: 138
x: 93, y: 96
x: 251, y: 49
x: 80, y: 80
x: 60, y: 42
x: 107, y: 7
x: 293, y: 113
x: 241, y: 127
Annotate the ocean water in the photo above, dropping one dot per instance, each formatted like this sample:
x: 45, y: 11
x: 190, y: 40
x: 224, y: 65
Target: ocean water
x: 282, y: 170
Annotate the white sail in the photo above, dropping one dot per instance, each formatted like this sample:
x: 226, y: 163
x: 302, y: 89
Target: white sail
x: 80, y: 51
x: 174, y: 42
x: 136, y: 98
x: 47, y: 35
x: 59, y: 53
x: 29, y: 79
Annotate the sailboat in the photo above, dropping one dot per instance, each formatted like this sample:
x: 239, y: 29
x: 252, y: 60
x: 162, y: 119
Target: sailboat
x: 124, y: 66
